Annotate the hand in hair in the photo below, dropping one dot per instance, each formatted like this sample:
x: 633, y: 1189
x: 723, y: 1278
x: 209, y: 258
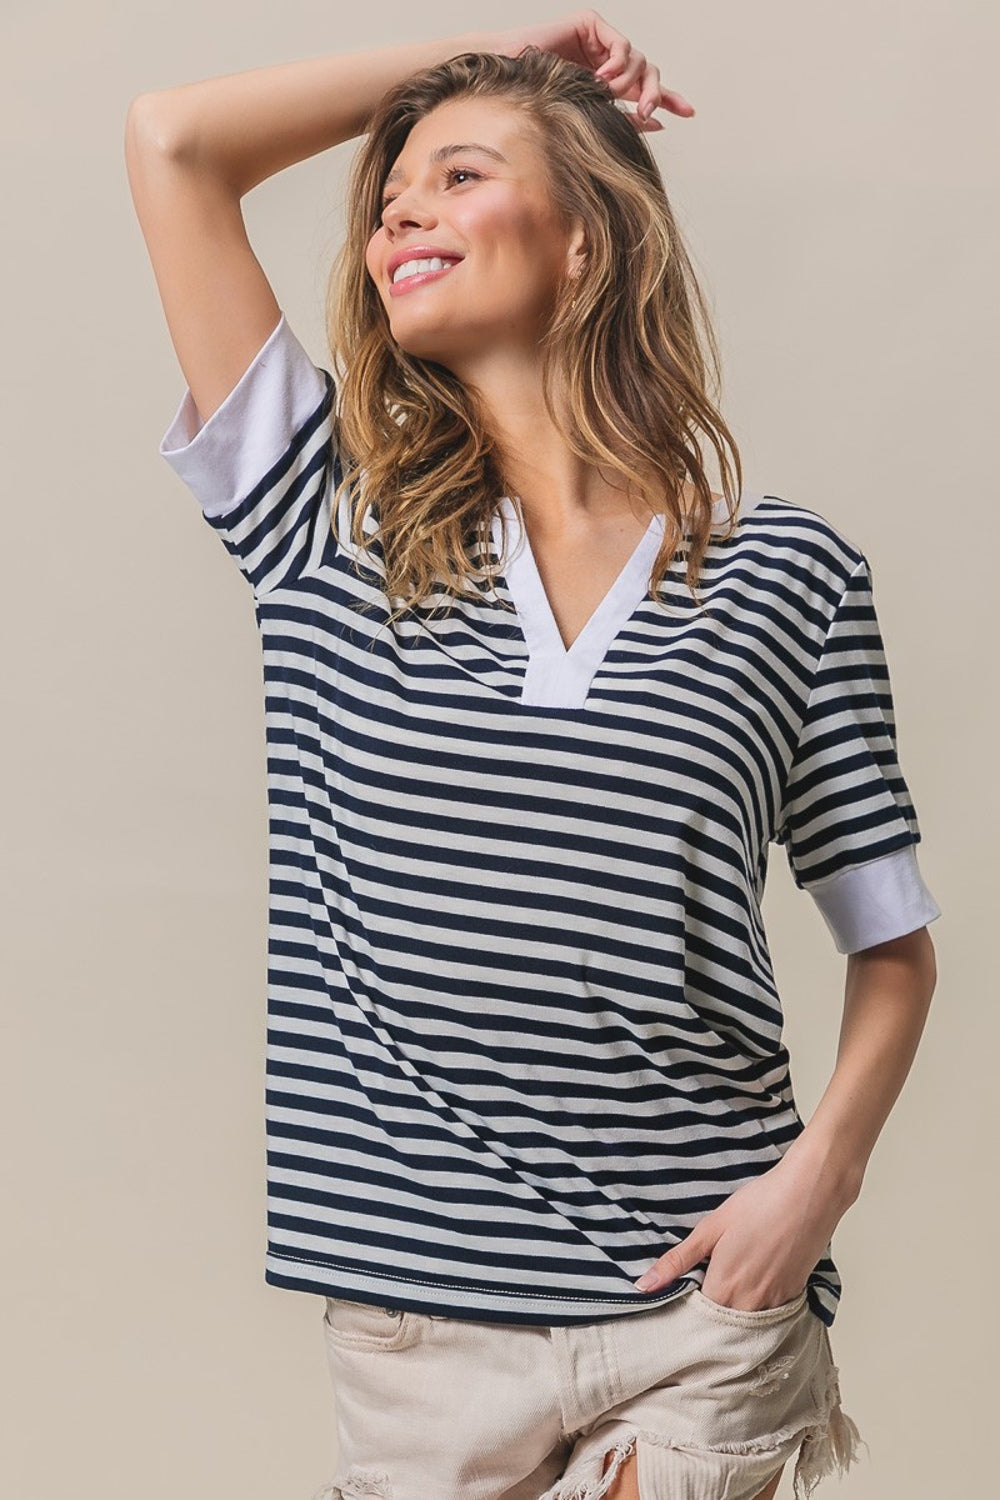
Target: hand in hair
x: 587, y: 39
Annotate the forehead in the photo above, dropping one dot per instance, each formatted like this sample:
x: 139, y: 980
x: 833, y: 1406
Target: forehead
x: 498, y: 131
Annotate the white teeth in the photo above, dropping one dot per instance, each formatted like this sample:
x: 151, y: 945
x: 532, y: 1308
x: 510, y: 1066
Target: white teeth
x: 412, y: 267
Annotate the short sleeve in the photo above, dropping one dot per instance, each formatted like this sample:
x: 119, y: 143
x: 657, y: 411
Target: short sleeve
x: 263, y: 467
x: 847, y: 819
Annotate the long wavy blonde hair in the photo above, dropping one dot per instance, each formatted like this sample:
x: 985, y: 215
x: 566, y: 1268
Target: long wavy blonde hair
x: 630, y: 346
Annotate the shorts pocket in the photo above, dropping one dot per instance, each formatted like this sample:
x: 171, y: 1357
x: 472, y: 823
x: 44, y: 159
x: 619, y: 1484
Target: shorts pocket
x: 756, y: 1317
x: 367, y: 1325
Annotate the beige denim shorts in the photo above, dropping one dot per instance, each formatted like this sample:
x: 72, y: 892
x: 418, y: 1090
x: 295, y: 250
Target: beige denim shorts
x: 712, y: 1400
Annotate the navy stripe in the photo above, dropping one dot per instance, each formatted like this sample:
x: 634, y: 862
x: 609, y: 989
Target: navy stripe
x: 523, y: 1026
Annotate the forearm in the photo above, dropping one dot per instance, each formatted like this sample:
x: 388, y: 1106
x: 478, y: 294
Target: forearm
x: 245, y: 127
x: 887, y: 994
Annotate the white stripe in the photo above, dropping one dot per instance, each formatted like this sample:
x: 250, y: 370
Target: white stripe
x: 523, y: 1031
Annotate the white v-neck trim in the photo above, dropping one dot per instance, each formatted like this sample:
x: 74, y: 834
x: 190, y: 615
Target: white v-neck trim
x: 557, y: 677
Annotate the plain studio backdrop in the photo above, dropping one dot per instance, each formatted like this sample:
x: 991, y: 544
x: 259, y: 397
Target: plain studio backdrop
x: 838, y: 191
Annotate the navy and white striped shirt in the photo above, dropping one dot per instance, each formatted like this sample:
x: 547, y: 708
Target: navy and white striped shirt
x: 523, y: 1030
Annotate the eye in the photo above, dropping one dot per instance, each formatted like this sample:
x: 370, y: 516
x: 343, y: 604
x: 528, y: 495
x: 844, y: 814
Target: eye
x: 450, y: 174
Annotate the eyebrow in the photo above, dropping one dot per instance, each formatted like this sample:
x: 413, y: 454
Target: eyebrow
x: 443, y: 152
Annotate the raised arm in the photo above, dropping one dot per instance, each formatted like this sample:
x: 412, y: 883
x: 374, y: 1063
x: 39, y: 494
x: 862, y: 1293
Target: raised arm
x: 194, y: 151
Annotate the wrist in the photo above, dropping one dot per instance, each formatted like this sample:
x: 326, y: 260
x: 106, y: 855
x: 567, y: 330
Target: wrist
x: 839, y: 1173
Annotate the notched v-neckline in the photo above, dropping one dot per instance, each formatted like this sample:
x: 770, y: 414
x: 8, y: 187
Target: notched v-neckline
x: 557, y: 675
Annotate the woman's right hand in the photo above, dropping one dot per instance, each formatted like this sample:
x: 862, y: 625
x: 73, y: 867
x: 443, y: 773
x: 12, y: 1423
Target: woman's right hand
x: 587, y: 39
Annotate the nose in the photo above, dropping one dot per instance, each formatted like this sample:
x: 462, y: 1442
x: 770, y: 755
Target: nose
x: 403, y: 213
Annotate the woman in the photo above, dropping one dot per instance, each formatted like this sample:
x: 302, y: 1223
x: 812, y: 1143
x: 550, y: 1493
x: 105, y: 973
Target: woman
x: 538, y: 700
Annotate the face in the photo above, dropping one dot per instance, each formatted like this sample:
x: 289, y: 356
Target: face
x: 489, y: 207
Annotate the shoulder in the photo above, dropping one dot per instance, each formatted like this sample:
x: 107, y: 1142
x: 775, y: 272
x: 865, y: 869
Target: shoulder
x: 796, y: 540
x: 786, y: 564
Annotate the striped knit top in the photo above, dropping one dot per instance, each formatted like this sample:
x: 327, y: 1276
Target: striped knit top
x: 523, y: 1029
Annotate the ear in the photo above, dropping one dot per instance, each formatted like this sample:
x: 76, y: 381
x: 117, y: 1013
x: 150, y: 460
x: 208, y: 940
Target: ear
x: 576, y: 250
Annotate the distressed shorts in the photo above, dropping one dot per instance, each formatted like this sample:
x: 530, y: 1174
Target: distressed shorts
x: 713, y: 1400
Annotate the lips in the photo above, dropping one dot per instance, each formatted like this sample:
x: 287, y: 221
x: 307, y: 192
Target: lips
x: 418, y: 252
x: 446, y: 267
x: 419, y: 279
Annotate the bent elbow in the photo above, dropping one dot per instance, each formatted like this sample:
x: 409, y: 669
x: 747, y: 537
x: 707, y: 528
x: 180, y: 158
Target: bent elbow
x: 151, y: 125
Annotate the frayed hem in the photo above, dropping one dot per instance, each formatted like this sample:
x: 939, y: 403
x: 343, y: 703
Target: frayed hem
x: 703, y: 1471
x: 829, y: 1447
x: 823, y: 1448
x: 595, y: 1489
x: 359, y: 1484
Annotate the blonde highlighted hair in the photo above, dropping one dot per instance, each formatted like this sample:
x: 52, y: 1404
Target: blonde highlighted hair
x: 630, y: 346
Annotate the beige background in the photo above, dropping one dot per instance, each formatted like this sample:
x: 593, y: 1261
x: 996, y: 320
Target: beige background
x: 838, y: 189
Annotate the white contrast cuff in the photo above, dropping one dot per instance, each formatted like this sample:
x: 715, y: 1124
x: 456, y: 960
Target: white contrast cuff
x: 875, y: 902
x: 223, y: 459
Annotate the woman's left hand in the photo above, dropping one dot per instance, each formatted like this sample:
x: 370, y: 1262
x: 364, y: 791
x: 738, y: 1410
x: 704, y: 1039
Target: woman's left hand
x: 764, y: 1240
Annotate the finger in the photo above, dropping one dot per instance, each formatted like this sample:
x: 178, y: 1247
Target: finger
x: 641, y: 123
x: 676, y: 103
x: 641, y: 80
x: 675, y: 1262
x: 618, y: 50
x: 659, y: 1274
x: 649, y: 94
x: 624, y: 81
x: 653, y: 94
x: 666, y: 99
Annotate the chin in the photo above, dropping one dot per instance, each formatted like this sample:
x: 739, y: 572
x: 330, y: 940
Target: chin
x: 420, y: 348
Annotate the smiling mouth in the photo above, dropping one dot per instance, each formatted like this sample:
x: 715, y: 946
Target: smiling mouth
x: 418, y: 278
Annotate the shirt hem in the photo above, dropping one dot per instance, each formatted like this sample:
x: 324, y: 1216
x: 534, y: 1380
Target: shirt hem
x: 494, y: 1304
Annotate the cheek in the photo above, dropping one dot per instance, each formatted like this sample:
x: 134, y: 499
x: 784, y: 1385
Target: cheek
x: 372, y: 255
x: 503, y: 233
